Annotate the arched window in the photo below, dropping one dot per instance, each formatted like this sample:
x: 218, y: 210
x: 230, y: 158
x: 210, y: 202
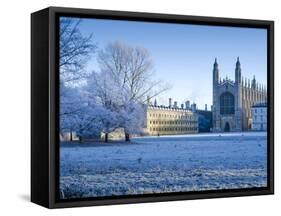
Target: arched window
x: 226, y: 103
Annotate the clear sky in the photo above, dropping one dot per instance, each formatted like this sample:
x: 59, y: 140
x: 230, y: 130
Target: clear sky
x: 183, y: 55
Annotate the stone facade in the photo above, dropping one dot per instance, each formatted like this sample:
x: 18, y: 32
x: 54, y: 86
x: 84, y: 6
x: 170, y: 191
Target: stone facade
x: 205, y: 120
x: 232, y: 100
x: 259, y: 117
x: 161, y: 120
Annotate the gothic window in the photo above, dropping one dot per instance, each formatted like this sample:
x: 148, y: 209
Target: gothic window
x: 226, y: 103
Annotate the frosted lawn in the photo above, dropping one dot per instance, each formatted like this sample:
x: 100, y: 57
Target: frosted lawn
x: 164, y: 164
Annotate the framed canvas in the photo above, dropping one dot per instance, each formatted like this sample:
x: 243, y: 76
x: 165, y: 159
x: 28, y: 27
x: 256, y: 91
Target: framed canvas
x: 139, y: 107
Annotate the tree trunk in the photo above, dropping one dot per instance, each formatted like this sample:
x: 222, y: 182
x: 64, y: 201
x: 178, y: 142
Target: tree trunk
x: 106, y: 137
x: 127, y: 137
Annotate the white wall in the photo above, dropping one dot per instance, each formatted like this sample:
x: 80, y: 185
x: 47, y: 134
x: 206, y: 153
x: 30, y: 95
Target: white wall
x: 15, y: 107
x: 259, y: 118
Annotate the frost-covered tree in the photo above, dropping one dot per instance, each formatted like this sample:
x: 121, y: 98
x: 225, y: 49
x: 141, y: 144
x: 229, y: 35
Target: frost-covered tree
x: 75, y: 113
x: 132, y: 118
x: 124, y: 112
x: 85, y: 116
x: 75, y: 51
x: 111, y: 98
x: 132, y: 68
x: 70, y: 107
x: 104, y: 92
x: 92, y: 122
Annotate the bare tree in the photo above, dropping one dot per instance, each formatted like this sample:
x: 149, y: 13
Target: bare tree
x: 75, y: 50
x: 105, y: 93
x: 131, y: 68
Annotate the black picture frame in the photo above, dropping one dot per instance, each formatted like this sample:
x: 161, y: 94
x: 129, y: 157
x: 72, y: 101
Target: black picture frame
x: 45, y: 102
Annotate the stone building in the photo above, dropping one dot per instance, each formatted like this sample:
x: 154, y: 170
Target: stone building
x: 259, y: 117
x: 232, y: 100
x: 205, y: 120
x: 170, y: 120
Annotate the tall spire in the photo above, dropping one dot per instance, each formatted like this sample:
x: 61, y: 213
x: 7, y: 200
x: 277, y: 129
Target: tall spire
x: 238, y: 62
x: 254, y: 83
x: 215, y: 72
x: 238, y: 72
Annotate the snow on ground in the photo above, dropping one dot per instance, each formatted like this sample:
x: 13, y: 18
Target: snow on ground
x: 164, y: 164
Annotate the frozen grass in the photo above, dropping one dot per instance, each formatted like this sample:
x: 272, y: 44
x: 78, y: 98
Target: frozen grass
x: 164, y: 164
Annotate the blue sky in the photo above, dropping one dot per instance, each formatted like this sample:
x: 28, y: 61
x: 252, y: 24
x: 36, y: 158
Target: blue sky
x: 183, y: 55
